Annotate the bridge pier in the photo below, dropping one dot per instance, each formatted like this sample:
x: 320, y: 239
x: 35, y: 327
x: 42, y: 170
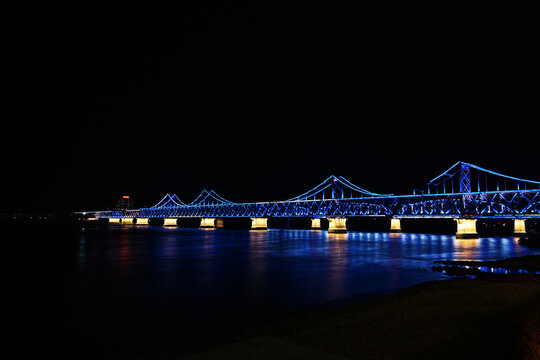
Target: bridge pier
x: 466, y: 228
x: 170, y: 222
x: 208, y: 222
x: 142, y: 221
x: 519, y: 227
x: 259, y: 223
x: 114, y: 220
x: 127, y: 221
x: 395, y: 225
x: 337, y: 225
x: 315, y: 223
x: 219, y: 223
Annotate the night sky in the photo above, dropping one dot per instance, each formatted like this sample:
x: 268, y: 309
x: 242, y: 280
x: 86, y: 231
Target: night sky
x: 262, y: 100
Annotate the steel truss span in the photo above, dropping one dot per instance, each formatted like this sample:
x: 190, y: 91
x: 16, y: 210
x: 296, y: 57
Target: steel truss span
x: 461, y: 191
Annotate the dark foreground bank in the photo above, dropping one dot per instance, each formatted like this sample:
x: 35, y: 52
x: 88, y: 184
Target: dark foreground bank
x: 490, y: 317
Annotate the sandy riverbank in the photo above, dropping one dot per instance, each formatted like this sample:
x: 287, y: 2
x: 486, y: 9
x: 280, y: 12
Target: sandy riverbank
x: 490, y: 317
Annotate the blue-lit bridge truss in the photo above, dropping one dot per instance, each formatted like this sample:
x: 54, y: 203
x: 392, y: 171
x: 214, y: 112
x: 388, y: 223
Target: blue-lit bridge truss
x: 464, y: 190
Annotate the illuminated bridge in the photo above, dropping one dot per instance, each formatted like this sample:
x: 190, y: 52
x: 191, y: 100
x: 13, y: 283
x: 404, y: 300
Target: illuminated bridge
x: 464, y: 192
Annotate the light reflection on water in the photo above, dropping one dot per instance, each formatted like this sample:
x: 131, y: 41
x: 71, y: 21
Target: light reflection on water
x: 175, y: 276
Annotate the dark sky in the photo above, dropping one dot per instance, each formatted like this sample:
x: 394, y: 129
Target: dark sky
x: 261, y: 100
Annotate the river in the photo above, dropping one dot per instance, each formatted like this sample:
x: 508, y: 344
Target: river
x: 151, y: 285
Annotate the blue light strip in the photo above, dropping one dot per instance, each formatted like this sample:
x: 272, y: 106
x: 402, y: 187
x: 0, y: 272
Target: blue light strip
x: 206, y: 197
x: 332, y: 181
x: 220, y: 198
x: 502, y: 175
x: 359, y: 189
x: 314, y: 191
x: 446, y: 172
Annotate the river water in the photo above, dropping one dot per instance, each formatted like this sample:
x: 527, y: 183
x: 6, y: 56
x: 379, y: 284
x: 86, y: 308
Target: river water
x: 148, y: 283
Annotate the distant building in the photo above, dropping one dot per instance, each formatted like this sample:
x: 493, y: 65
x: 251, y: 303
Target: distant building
x: 125, y: 203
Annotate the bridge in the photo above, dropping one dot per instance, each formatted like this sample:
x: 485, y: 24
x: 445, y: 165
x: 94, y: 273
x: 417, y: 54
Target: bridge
x: 465, y: 192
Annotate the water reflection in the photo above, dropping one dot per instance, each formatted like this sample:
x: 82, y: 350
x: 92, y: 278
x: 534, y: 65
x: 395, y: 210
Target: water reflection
x: 122, y: 257
x: 466, y: 249
x: 255, y: 277
x: 82, y: 248
x: 336, y: 236
x: 124, y: 252
x: 338, y: 254
x: 395, y: 254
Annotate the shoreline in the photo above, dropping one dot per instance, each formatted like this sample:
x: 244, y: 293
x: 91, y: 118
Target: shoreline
x: 528, y: 264
x: 491, y: 316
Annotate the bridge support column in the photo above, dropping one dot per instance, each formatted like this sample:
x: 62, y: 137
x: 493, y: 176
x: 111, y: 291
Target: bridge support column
x: 519, y: 227
x: 259, y: 223
x: 337, y: 225
x: 466, y: 228
x: 114, y: 220
x: 127, y: 220
x: 395, y: 225
x: 170, y: 222
x: 315, y: 223
x: 219, y: 223
x: 142, y: 221
x: 208, y: 222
